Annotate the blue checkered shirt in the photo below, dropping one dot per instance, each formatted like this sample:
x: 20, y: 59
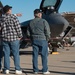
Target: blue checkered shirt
x: 11, y: 29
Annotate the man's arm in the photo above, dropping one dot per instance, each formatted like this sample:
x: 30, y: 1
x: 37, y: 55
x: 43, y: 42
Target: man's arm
x: 17, y: 27
x: 18, y: 14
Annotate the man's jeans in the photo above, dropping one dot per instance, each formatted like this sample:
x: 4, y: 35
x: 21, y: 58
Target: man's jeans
x: 42, y: 47
x: 13, y: 47
x: 1, y: 55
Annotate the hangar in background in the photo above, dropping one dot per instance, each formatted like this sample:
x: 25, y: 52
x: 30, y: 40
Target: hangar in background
x: 70, y: 16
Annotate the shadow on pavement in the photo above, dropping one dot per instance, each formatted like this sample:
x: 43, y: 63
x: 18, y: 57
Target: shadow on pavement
x: 66, y: 73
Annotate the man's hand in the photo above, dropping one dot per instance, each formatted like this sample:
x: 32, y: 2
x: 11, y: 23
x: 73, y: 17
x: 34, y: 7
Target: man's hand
x: 19, y: 14
x: 19, y: 38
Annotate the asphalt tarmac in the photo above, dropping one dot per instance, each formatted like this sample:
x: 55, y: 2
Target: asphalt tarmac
x: 58, y: 64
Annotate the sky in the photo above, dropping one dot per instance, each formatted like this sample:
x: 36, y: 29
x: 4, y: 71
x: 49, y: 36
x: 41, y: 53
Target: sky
x: 26, y: 7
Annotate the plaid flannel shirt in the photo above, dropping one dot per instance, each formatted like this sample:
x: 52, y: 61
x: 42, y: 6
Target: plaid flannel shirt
x: 11, y: 29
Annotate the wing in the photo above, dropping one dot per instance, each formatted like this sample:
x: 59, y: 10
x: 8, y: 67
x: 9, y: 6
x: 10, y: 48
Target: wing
x: 24, y: 26
x: 25, y: 23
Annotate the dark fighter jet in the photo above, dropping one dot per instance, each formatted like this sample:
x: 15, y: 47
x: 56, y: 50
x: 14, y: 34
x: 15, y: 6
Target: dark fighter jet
x: 57, y: 22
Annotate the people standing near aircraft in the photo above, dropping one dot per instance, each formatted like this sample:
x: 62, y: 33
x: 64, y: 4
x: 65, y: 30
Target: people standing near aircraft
x: 39, y: 32
x: 11, y: 35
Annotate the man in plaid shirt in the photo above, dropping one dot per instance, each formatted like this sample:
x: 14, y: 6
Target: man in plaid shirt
x: 11, y: 35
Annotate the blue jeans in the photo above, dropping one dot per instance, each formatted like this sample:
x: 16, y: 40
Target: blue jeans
x: 42, y: 47
x: 1, y: 55
x: 12, y: 46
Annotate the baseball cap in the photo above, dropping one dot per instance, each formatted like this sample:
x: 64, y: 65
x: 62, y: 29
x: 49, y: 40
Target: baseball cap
x: 36, y: 11
x: 6, y: 8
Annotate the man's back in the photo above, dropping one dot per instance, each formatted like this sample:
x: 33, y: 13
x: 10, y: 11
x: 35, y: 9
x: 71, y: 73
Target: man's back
x: 10, y: 27
x: 39, y: 28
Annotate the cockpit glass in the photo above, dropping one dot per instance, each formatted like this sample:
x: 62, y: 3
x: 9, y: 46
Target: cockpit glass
x: 49, y: 3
